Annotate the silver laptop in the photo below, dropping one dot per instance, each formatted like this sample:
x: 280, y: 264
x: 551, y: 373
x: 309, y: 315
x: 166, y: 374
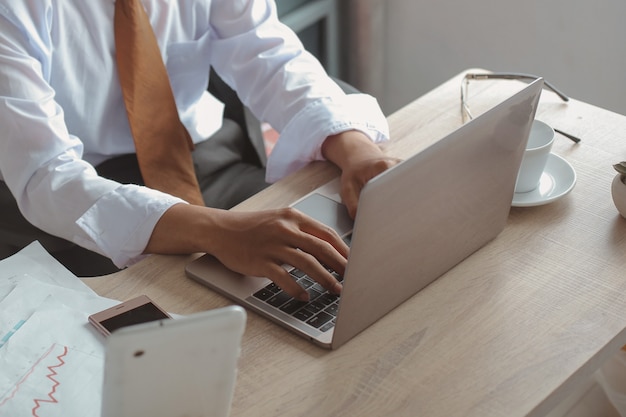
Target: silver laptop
x: 414, y: 223
x: 178, y: 367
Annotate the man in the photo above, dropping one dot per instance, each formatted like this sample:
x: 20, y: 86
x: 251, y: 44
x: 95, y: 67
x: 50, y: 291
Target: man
x: 63, y: 113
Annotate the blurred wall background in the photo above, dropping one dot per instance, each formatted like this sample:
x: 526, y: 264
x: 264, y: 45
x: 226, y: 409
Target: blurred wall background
x: 399, y: 49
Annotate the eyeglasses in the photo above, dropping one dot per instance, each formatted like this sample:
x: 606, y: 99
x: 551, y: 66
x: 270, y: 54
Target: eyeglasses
x: 465, y: 111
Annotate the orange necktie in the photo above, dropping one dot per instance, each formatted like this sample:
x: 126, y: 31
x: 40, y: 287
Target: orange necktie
x: 162, y: 143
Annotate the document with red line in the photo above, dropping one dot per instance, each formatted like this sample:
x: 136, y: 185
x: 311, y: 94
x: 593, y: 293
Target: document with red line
x: 51, y: 360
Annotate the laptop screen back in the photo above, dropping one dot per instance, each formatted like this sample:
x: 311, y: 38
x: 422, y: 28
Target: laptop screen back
x: 424, y: 216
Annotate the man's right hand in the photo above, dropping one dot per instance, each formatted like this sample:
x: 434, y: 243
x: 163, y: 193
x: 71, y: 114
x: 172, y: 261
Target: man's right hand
x: 255, y: 243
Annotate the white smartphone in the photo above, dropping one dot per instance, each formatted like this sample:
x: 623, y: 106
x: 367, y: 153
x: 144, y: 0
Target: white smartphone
x: 180, y: 367
x: 135, y: 311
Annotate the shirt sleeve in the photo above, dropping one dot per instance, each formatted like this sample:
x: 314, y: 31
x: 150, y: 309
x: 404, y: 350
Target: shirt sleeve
x: 41, y: 162
x: 284, y: 85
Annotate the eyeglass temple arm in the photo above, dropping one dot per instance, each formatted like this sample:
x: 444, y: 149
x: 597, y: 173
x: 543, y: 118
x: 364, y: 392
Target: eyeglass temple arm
x: 516, y: 76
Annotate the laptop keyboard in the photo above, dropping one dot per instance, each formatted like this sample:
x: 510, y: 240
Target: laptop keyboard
x: 319, y: 312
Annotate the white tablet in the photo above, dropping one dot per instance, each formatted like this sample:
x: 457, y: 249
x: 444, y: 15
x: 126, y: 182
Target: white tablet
x: 174, y: 367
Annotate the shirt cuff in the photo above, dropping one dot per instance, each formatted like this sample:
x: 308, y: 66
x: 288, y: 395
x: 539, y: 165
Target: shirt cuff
x: 120, y: 224
x: 301, y: 141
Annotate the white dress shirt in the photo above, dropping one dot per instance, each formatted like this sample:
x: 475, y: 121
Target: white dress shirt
x: 62, y: 112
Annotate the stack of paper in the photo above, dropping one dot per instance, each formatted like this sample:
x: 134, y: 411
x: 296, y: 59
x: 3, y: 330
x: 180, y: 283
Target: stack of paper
x: 51, y: 359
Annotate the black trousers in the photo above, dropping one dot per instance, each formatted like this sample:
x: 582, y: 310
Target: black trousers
x: 228, y: 169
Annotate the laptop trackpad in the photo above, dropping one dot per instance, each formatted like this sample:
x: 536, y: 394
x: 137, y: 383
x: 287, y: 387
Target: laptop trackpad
x: 327, y: 211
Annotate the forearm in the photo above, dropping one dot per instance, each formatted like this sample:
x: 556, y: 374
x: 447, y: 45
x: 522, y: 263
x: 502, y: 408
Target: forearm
x: 184, y: 229
x: 346, y: 148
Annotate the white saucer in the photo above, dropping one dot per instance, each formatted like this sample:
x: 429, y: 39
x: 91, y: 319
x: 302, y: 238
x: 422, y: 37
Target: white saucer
x: 557, y: 180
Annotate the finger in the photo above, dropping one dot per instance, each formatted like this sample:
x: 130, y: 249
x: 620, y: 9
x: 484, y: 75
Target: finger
x: 350, y: 198
x: 286, y: 282
x: 351, y: 192
x: 308, y: 264
x: 326, y: 254
x: 324, y: 243
x: 324, y: 234
x: 308, y: 227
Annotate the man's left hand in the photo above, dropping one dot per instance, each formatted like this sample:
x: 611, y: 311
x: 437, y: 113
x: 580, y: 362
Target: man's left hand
x: 360, y: 160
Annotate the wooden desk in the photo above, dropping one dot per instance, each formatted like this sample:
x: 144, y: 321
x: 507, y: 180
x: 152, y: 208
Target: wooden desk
x: 508, y: 332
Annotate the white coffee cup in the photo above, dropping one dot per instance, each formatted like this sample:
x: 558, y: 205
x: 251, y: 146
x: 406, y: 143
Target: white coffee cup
x: 535, y: 157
